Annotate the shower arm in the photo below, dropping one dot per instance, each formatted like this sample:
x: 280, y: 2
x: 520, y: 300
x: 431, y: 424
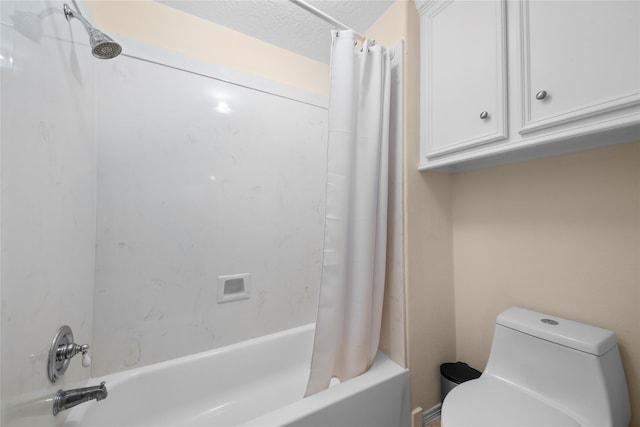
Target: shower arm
x: 102, y: 46
x: 70, y: 13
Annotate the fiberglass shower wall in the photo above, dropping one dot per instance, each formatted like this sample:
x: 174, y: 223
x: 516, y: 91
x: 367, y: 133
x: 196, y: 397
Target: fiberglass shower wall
x: 48, y: 152
x: 133, y: 139
x: 202, y: 173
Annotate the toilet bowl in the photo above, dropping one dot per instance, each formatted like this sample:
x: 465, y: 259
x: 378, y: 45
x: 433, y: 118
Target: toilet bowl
x: 544, y: 371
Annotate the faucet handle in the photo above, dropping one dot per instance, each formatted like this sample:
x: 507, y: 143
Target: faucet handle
x: 86, y: 359
x: 67, y: 351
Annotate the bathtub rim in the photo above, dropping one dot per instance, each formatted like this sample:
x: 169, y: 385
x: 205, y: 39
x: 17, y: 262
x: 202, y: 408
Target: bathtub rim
x: 117, y: 379
x: 383, y: 369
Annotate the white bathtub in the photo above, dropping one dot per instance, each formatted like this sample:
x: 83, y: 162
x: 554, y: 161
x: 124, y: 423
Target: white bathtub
x: 259, y: 382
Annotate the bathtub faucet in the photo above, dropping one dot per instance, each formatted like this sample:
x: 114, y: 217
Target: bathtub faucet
x: 70, y: 398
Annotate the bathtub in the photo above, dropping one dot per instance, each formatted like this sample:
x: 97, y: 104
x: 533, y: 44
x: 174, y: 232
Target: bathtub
x: 259, y: 382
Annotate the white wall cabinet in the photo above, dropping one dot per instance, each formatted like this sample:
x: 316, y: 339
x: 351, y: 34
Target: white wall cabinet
x: 465, y: 78
x: 573, y: 79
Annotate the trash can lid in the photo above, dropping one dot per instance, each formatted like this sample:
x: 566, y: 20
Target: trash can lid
x: 458, y: 372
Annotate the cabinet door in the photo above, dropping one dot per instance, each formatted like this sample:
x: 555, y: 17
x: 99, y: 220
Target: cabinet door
x: 463, y: 75
x: 580, y: 59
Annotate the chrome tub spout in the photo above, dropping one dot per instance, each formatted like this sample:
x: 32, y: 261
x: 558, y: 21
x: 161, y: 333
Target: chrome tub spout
x: 70, y: 398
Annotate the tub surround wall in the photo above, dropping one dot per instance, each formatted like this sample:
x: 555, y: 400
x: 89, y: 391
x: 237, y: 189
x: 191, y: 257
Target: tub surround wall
x: 272, y: 249
x: 48, y: 202
x: 559, y: 235
x: 124, y: 18
x: 189, y: 191
x: 49, y: 196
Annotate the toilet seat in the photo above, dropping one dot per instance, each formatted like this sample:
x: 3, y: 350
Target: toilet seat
x: 489, y: 401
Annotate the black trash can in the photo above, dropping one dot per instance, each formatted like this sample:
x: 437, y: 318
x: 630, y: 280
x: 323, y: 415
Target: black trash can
x: 453, y: 374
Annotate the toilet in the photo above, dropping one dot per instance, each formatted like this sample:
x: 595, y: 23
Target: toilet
x: 544, y: 371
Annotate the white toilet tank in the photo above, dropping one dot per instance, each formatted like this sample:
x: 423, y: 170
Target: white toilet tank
x: 570, y: 366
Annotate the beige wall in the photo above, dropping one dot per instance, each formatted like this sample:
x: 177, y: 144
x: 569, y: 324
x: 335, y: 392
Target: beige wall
x: 428, y: 228
x: 559, y: 235
x: 430, y: 299
x: 162, y: 26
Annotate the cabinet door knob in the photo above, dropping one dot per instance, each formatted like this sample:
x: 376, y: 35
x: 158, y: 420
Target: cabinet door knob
x: 541, y: 95
x: 484, y: 115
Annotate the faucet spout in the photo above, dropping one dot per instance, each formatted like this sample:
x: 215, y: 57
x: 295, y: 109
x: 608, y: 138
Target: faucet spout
x: 70, y: 398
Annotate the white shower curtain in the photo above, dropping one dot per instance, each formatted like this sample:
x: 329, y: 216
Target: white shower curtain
x: 354, y: 258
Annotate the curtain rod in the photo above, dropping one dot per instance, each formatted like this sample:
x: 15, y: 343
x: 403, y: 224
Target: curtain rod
x: 327, y: 18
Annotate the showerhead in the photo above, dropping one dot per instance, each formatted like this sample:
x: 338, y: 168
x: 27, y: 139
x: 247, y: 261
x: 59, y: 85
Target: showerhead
x: 102, y: 46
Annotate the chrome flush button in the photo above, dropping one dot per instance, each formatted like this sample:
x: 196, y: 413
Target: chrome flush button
x: 549, y: 321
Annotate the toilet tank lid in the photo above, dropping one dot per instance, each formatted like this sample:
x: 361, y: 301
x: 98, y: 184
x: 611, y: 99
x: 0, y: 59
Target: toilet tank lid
x: 586, y: 338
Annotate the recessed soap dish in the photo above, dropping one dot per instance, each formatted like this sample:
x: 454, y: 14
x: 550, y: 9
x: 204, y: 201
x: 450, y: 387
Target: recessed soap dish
x: 234, y: 287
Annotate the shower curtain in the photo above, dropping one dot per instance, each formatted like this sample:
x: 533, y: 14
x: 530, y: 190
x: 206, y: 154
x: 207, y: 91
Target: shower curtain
x: 354, y: 255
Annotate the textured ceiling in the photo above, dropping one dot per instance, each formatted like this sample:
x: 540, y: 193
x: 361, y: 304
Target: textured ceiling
x: 284, y: 24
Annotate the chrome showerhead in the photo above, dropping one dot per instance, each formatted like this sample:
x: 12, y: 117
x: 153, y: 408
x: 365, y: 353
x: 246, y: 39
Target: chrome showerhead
x: 102, y: 46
